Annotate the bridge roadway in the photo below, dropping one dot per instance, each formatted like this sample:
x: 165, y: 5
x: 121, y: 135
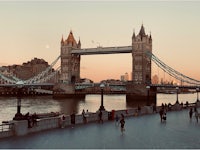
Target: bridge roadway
x: 178, y: 132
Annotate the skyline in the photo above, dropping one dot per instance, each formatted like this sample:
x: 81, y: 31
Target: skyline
x: 34, y: 29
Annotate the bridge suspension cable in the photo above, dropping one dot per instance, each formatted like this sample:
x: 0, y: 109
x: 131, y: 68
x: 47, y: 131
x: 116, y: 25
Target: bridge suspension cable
x: 7, y: 79
x: 48, y: 77
x: 42, y: 74
x: 171, y: 71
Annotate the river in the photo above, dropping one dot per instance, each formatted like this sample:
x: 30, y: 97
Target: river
x: 46, y: 104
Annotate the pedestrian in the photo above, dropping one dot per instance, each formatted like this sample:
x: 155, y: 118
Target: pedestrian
x: 161, y: 114
x: 190, y: 113
x: 139, y: 110
x: 87, y: 115
x: 73, y: 119
x: 84, y: 117
x: 117, y: 120
x: 154, y: 108
x: 187, y: 104
x: 122, y: 122
x: 100, y: 117
x: 63, y: 121
x: 164, y: 116
x: 34, y: 119
x: 196, y: 114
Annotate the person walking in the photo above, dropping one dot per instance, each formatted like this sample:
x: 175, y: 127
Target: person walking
x: 196, y: 114
x: 100, y: 117
x: 190, y: 113
x: 117, y: 120
x: 84, y: 116
x: 154, y: 108
x: 122, y: 122
x: 161, y: 114
x: 63, y: 121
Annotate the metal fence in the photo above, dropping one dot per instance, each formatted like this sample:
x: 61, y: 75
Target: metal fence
x: 6, y: 126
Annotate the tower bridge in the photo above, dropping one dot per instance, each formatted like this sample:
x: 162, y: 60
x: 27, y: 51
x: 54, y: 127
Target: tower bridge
x: 71, y: 52
x: 68, y: 74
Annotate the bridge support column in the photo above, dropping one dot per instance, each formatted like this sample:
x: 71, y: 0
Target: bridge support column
x: 63, y: 90
x: 137, y: 95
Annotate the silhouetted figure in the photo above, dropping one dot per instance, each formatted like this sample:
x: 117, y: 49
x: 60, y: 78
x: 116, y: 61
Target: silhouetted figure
x: 117, y: 120
x: 161, y: 114
x: 196, y: 114
x: 100, y: 117
x: 163, y: 106
x: 122, y: 122
x: 139, y: 110
x: 73, y: 118
x: 166, y: 108
x: 195, y: 109
x: 63, y: 121
x: 34, y: 119
x: 164, y: 116
x: 190, y: 113
x: 169, y: 107
x: 154, y: 108
x: 186, y: 104
x: 84, y: 116
x: 181, y: 105
x: 28, y: 117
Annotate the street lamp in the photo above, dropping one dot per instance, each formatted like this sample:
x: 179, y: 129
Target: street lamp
x: 148, y: 87
x: 197, y: 89
x: 102, y: 87
x: 18, y: 115
x: 177, y: 88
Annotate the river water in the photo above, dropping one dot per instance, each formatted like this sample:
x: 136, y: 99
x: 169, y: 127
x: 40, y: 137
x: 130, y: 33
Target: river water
x: 46, y: 104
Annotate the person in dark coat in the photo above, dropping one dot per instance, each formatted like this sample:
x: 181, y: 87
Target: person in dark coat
x: 190, y: 113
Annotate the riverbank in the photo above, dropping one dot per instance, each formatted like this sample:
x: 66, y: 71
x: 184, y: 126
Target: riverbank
x: 21, y: 127
x: 141, y: 132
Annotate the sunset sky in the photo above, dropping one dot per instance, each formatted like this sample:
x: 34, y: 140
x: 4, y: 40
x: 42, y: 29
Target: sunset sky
x: 31, y: 29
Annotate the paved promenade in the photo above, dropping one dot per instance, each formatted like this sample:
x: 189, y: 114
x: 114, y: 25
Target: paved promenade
x: 141, y: 132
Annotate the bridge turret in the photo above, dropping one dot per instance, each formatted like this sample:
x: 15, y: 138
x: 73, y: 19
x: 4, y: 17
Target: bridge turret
x: 70, y: 41
x: 133, y: 36
x: 62, y: 41
x: 79, y: 43
x: 142, y: 31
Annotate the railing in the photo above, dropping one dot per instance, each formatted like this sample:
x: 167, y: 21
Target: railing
x: 6, y: 130
x: 6, y: 126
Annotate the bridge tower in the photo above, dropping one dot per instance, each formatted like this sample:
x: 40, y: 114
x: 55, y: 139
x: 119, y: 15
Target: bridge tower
x: 70, y: 65
x: 141, y: 71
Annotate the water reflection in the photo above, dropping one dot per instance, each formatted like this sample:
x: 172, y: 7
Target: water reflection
x: 46, y: 104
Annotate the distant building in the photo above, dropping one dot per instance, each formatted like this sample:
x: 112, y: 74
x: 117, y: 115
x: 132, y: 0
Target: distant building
x: 155, y: 79
x: 124, y: 77
x: 26, y: 70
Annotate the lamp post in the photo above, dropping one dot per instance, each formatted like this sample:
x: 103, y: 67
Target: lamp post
x: 18, y: 115
x: 197, y: 89
x: 177, y: 88
x: 102, y: 88
x: 148, y: 87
